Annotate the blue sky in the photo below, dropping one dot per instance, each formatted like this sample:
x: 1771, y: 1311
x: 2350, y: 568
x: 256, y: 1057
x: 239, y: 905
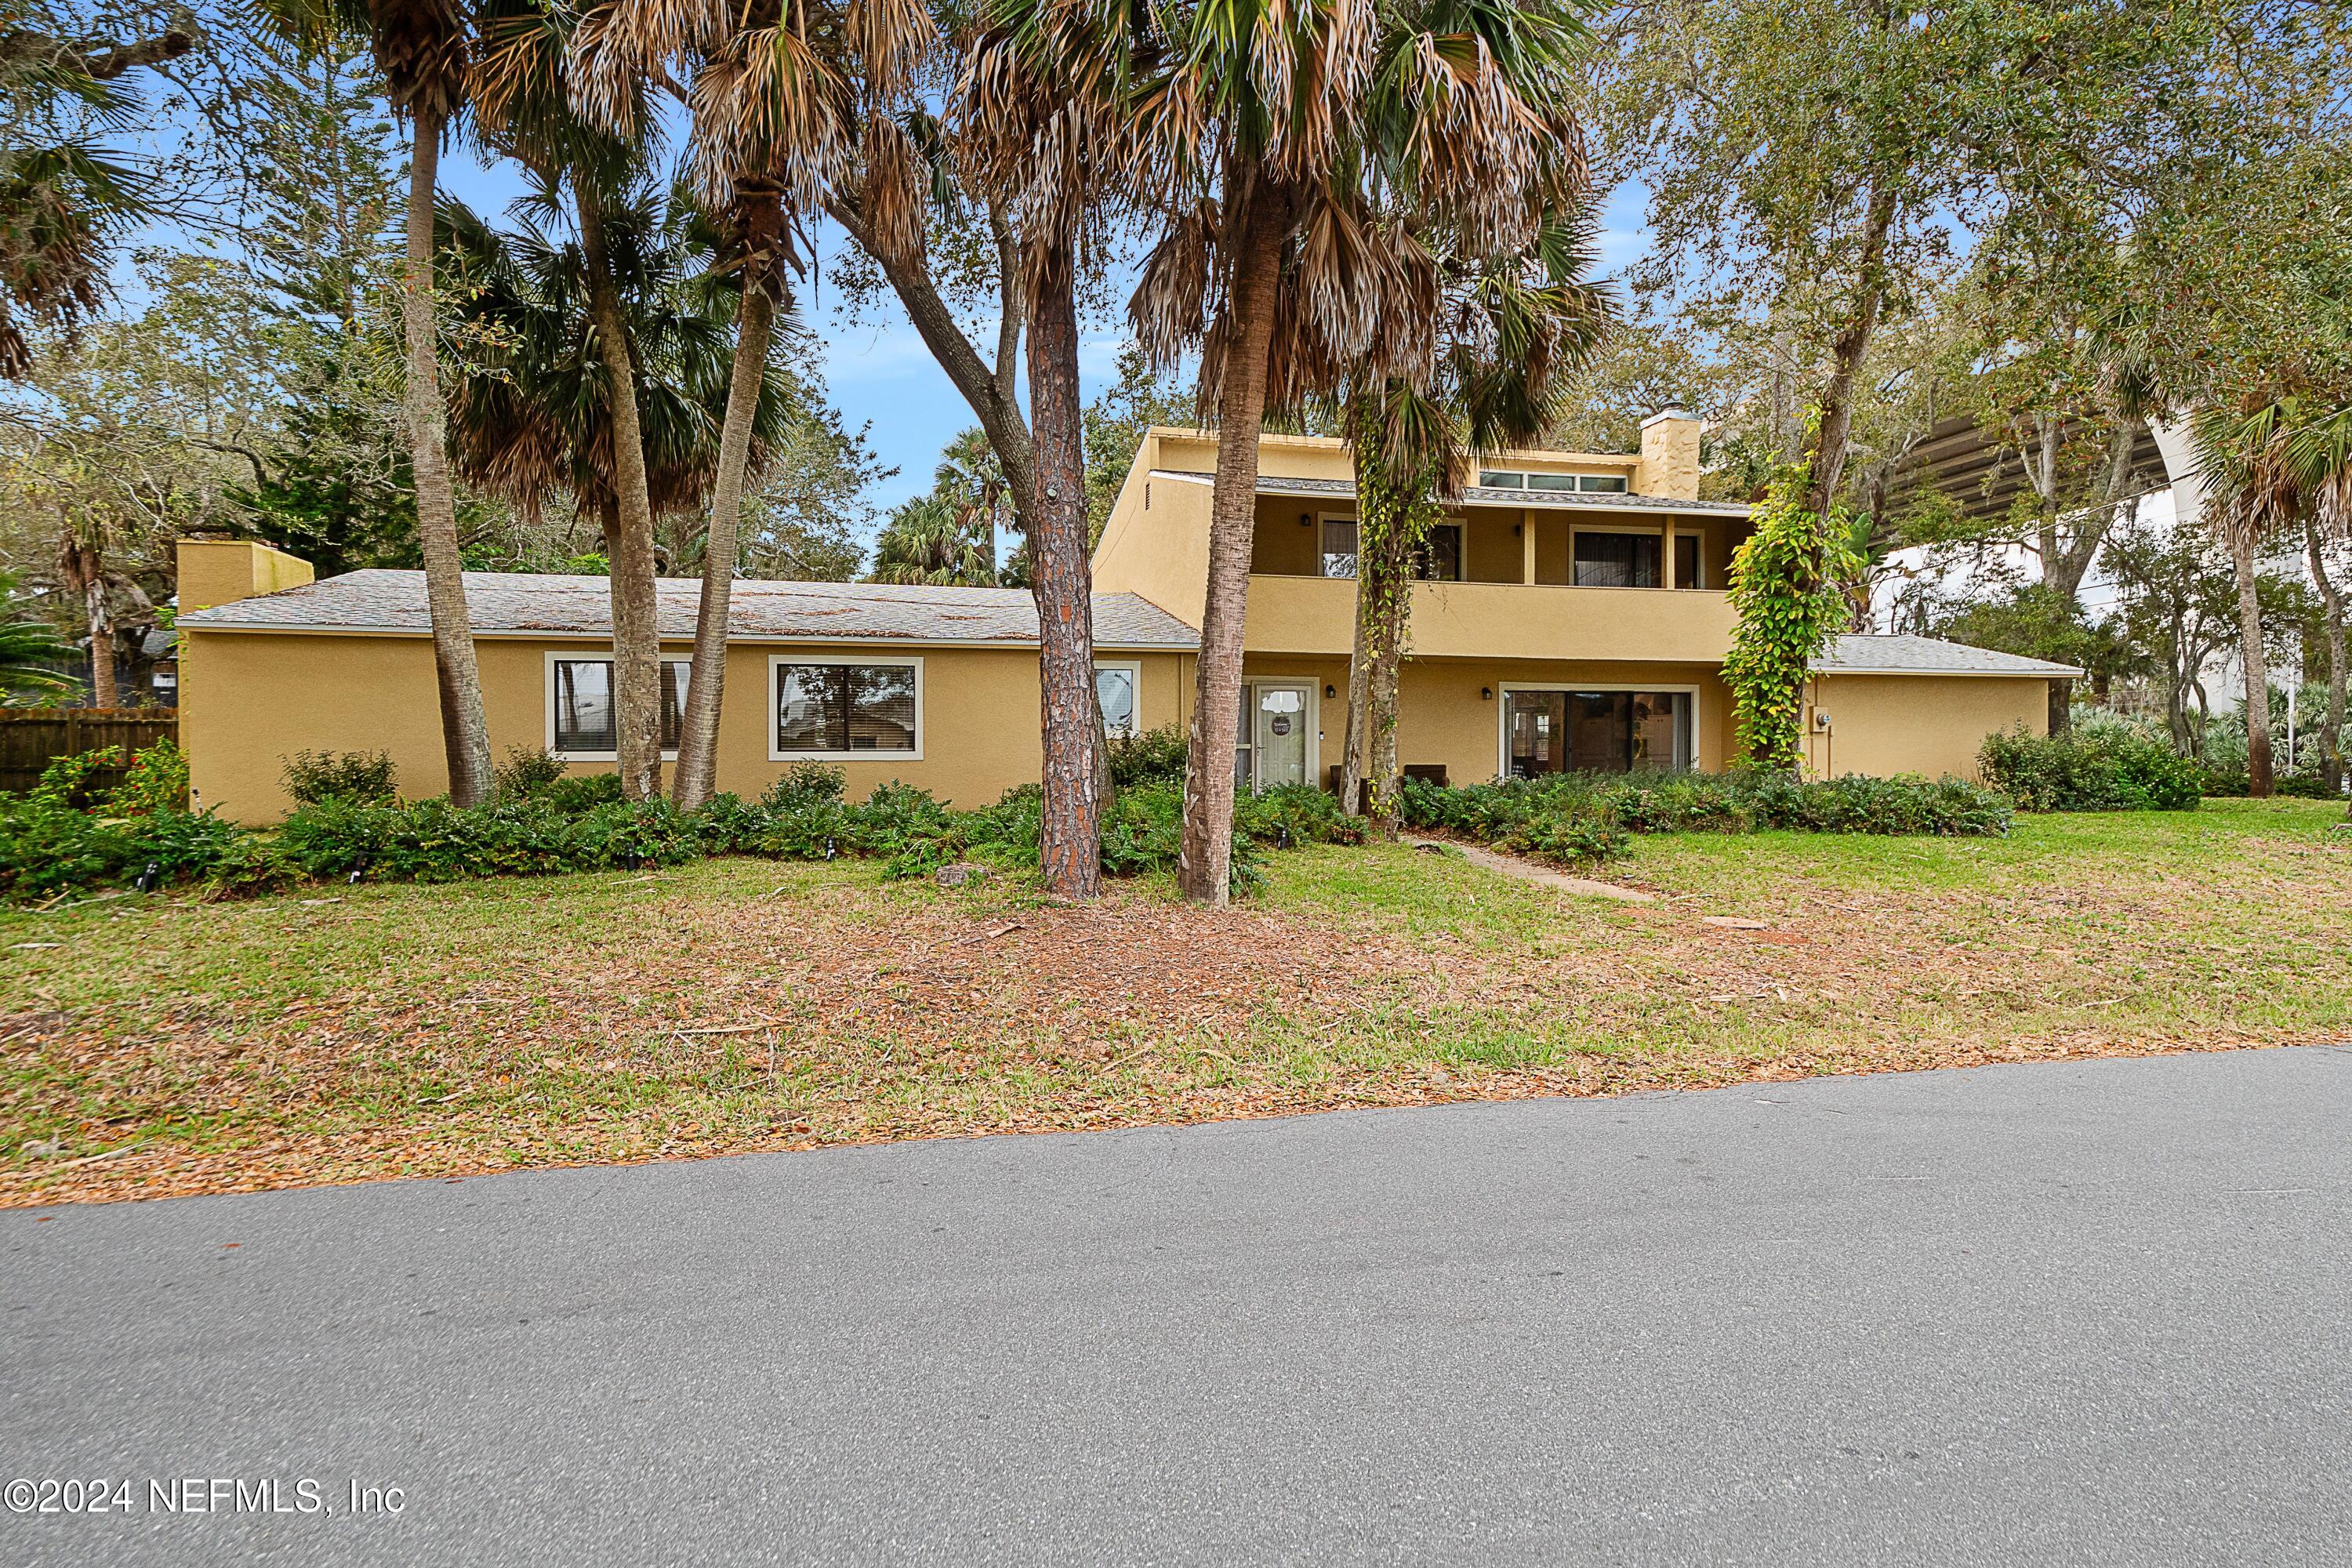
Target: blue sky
x: 882, y: 376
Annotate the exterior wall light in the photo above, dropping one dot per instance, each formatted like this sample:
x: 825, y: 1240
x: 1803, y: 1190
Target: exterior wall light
x: 1486, y: 694
x: 1329, y: 690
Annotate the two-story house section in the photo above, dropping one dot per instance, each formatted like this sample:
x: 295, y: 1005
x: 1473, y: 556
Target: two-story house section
x: 1571, y: 613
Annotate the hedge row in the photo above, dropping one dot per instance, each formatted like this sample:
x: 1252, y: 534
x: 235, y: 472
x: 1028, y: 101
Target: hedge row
x: 1583, y: 818
x: 539, y: 825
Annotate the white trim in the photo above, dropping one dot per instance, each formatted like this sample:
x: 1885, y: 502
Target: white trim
x: 1134, y: 668
x: 1503, y: 690
x: 1313, y: 687
x: 592, y: 654
x: 777, y: 662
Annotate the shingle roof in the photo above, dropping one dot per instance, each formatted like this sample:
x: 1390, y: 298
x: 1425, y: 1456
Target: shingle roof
x: 1866, y: 654
x: 1487, y: 495
x: 517, y: 604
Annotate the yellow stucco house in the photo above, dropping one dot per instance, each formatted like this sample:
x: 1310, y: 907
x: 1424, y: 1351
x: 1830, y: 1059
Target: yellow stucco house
x: 1571, y: 614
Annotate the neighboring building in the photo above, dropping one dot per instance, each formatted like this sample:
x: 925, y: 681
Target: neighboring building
x: 1573, y: 616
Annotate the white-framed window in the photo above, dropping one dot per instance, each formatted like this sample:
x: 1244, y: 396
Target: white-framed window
x: 1119, y: 686
x: 579, y: 708
x: 1589, y: 484
x: 1596, y: 729
x: 829, y: 709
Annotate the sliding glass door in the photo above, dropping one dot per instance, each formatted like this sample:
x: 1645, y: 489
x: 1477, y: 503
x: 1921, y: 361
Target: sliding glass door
x: 1595, y: 731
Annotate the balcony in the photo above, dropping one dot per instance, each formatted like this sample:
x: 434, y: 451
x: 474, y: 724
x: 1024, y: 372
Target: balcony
x: 1294, y: 615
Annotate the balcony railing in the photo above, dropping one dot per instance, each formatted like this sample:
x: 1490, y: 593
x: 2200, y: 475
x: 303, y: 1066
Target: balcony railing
x: 1499, y: 620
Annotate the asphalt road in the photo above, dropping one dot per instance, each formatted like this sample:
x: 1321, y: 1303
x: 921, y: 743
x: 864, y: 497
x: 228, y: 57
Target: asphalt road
x: 2086, y: 1313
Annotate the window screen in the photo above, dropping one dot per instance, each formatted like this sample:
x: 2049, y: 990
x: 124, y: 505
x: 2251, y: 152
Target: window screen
x: 1551, y: 481
x: 1502, y: 480
x: 583, y: 704
x: 845, y: 707
x: 1606, y: 484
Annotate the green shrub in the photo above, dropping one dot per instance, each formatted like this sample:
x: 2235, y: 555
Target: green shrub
x: 2109, y: 767
x: 156, y: 781
x: 65, y: 782
x: 1586, y: 817
x: 313, y: 776
x: 580, y: 792
x: 1155, y: 756
x: 1295, y: 814
x: 252, y: 865
x: 529, y: 770
x: 46, y: 848
x: 805, y: 785
x: 2303, y: 783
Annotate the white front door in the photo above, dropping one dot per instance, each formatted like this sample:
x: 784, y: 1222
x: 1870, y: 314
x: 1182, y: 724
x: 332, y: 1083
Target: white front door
x: 1282, y: 732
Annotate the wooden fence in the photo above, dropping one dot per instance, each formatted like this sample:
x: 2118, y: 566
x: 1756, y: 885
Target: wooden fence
x: 30, y: 737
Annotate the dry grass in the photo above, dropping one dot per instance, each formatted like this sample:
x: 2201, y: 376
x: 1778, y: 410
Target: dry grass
x: 168, y: 1049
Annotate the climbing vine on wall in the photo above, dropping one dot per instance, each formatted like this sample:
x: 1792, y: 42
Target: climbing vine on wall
x: 1785, y: 589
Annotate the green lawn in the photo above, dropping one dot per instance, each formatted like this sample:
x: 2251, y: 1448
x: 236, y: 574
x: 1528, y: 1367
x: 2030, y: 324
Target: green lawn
x: 358, y: 1033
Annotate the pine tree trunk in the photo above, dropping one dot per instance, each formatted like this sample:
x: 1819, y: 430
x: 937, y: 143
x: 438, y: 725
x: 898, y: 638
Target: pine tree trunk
x: 698, y: 739
x: 464, y: 732
x: 636, y: 635
x: 2331, y: 729
x: 2259, y: 781
x: 1061, y: 577
x: 1204, y: 858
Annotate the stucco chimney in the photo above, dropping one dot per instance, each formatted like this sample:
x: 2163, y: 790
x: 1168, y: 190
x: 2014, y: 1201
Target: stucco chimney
x: 1669, y: 454
x: 222, y: 570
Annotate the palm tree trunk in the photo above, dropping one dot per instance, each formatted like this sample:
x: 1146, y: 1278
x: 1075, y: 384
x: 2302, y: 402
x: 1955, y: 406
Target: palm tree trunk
x: 1061, y: 577
x: 636, y: 635
x: 1205, y: 857
x: 1360, y: 696
x: 2258, y: 678
x: 1387, y: 672
x: 698, y: 739
x: 464, y: 732
x: 2331, y: 729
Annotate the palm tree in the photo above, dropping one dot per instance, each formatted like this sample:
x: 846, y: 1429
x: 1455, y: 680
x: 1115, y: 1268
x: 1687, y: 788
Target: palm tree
x: 523, y: 103
x: 64, y: 196
x: 29, y: 650
x: 2318, y: 452
x: 2257, y: 496
x: 1271, y: 135
x: 531, y: 414
x: 782, y: 102
x: 421, y: 49
x: 931, y: 540
x: 1513, y: 330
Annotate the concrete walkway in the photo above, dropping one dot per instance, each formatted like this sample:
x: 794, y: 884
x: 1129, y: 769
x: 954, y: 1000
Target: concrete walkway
x: 1524, y: 870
